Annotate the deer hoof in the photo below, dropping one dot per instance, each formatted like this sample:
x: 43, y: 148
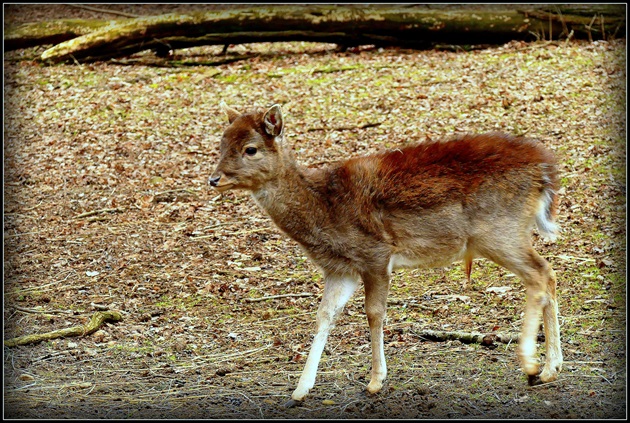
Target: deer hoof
x: 533, y: 380
x: 550, y: 371
x: 291, y: 403
x: 374, y: 387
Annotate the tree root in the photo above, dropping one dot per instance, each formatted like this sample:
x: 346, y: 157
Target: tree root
x: 92, y: 326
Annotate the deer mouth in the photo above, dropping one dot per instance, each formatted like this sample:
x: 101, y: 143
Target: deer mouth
x: 223, y: 187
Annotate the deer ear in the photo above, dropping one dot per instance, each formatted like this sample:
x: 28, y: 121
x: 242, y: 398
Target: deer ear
x: 273, y: 121
x: 230, y: 112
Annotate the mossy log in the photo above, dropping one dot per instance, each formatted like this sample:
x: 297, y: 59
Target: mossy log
x: 92, y: 326
x: 406, y: 26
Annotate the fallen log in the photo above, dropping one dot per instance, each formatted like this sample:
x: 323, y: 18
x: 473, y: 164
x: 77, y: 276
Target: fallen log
x: 405, y: 26
x: 50, y: 32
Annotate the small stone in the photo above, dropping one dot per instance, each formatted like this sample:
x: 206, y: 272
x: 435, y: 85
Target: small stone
x: 180, y: 345
x: 423, y: 391
x: 222, y: 372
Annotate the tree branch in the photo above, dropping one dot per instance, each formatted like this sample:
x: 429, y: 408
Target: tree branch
x: 92, y: 326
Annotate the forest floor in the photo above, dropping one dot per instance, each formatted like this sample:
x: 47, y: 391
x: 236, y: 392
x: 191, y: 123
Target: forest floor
x: 106, y: 206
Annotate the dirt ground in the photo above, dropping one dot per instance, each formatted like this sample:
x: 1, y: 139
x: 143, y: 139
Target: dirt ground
x: 106, y: 206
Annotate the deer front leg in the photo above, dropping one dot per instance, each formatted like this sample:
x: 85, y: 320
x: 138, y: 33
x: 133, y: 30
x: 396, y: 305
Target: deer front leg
x: 376, y: 290
x: 337, y: 292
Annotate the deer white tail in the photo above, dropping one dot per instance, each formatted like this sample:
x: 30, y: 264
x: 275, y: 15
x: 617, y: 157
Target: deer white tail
x: 547, y: 210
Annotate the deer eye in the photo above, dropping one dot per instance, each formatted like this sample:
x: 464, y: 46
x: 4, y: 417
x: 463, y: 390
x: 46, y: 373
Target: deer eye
x: 250, y: 151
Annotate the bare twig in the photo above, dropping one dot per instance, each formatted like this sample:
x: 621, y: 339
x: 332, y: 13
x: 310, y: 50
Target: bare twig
x: 97, y: 219
x: 588, y: 29
x: 546, y: 384
x: 202, y: 237
x: 565, y: 29
x: 99, y: 307
x: 172, y: 191
x: 568, y: 258
x: 23, y: 233
x: 332, y: 70
x: 345, y: 128
x: 221, y: 357
x: 41, y: 288
x: 205, y: 228
x: 111, y: 12
x: 248, y: 232
x: 195, y: 237
x: 171, y: 63
x: 53, y: 355
x: 32, y: 310
x: 614, y: 34
x: 93, y: 212
x: 173, y: 195
x: 270, y: 297
x: 34, y: 207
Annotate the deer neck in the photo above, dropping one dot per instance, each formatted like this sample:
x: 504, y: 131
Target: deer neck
x: 291, y: 202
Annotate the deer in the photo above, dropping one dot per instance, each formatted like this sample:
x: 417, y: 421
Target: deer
x: 421, y: 205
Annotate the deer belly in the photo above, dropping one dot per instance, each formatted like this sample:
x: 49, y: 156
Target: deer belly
x: 398, y: 261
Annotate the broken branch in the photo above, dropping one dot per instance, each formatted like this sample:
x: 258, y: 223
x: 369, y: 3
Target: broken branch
x: 92, y: 326
x: 486, y: 339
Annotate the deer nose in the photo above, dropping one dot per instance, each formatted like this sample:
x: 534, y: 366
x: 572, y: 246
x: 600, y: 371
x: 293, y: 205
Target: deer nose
x: 214, y: 181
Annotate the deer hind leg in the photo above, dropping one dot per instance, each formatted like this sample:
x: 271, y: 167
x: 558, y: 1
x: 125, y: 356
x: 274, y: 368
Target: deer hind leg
x: 337, y: 292
x: 540, y: 285
x: 553, y: 363
x: 376, y: 289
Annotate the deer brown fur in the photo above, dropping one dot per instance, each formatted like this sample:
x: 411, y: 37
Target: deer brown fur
x: 421, y: 205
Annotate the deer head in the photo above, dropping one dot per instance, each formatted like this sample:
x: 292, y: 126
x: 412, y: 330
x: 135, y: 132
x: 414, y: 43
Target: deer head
x: 250, y: 149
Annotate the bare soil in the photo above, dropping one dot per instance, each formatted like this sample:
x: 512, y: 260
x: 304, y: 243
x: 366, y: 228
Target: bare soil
x: 135, y: 144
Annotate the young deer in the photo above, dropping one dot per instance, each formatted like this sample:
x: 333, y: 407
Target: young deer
x: 424, y: 205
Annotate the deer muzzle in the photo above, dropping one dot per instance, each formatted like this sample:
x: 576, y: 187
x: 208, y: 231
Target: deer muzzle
x: 220, y: 182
